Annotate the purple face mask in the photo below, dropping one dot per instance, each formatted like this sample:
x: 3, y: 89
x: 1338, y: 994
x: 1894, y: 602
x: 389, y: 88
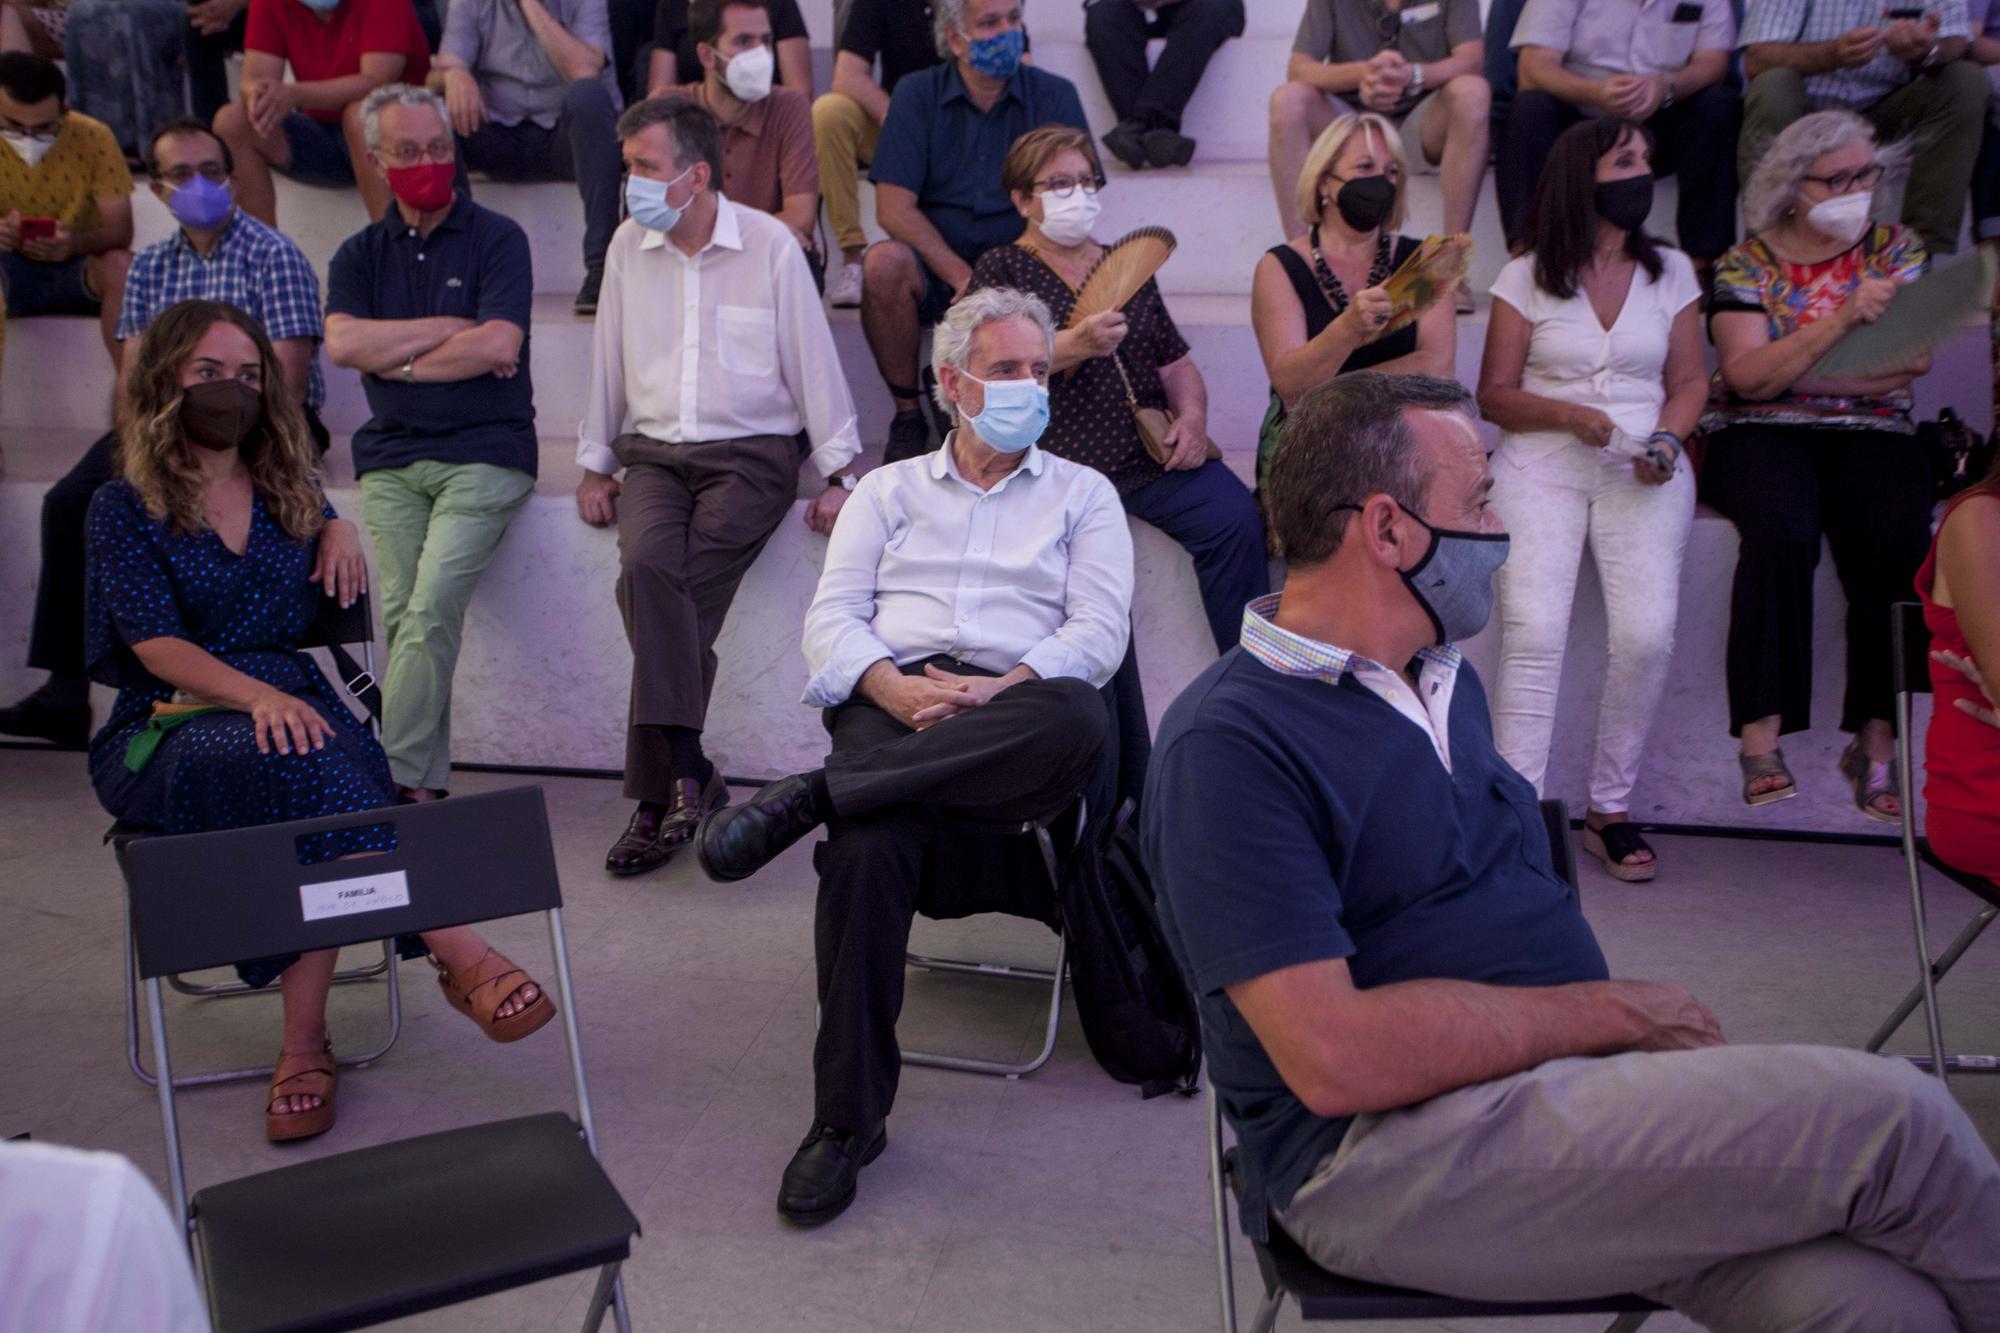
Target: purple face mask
x: 201, y: 203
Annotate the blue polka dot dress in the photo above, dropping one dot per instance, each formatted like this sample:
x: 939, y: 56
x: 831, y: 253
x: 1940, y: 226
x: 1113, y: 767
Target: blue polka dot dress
x: 147, y: 581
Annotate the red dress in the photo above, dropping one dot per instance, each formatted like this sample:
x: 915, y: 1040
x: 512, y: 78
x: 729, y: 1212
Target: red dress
x: 1961, y: 753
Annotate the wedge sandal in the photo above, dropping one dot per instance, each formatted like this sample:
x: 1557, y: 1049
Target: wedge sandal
x: 1871, y: 781
x: 1613, y: 843
x: 302, y: 1074
x: 480, y: 990
x: 1770, y: 765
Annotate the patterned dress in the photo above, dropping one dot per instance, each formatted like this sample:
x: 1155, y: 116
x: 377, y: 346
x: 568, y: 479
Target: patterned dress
x: 147, y: 581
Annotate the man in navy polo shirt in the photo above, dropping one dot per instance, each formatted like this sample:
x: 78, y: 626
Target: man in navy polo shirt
x: 431, y: 306
x: 937, y: 186
x: 1432, y: 1081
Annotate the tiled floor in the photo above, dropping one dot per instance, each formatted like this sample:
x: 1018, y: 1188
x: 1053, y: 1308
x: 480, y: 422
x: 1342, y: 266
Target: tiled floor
x: 1058, y: 1202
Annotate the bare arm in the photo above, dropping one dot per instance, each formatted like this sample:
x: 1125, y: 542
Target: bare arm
x: 112, y: 232
x: 1985, y: 50
x: 377, y: 68
x: 854, y: 77
x: 1541, y: 70
x: 1757, y: 366
x: 797, y: 213
x: 284, y: 722
x: 573, y: 57
x: 1325, y: 75
x: 1187, y: 392
x: 1805, y: 57
x: 1465, y: 58
x: 492, y: 348
x: 1294, y: 362
x: 1686, y: 373
x: 896, y: 209
x: 1344, y: 1051
x: 1702, y: 69
x: 661, y: 72
x: 795, y: 67
x: 375, y: 345
x: 295, y: 358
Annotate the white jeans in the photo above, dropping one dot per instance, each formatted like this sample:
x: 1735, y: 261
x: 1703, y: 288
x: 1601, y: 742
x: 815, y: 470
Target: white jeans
x: 1638, y: 534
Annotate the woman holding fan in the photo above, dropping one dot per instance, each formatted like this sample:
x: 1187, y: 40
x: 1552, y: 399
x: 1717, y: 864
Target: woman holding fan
x: 1123, y: 374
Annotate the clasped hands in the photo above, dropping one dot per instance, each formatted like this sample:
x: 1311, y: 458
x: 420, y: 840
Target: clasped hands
x: 921, y: 702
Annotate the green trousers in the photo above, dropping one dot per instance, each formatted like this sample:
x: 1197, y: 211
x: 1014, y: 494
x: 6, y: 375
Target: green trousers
x: 436, y: 527
x: 1942, y: 114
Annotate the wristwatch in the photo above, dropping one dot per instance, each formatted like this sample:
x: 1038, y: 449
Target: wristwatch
x: 845, y: 481
x: 1416, y: 78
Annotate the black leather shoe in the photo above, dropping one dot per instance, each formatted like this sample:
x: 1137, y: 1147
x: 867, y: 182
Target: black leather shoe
x: 586, y: 295
x: 738, y: 842
x: 1127, y: 142
x: 41, y: 718
x: 1167, y: 148
x: 909, y: 436
x: 819, y: 1180
x: 641, y: 848
x: 692, y: 801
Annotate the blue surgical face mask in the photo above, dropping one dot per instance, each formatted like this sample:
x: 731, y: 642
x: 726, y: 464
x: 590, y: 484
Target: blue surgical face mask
x: 646, y: 201
x: 321, y: 6
x: 1453, y: 583
x: 1015, y: 415
x: 998, y: 56
x: 202, y: 203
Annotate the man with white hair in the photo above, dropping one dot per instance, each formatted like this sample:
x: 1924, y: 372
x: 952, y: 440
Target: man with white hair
x: 972, y: 605
x: 431, y: 306
x: 937, y: 185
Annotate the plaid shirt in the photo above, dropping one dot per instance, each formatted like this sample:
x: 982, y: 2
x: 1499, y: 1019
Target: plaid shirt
x: 1823, y: 21
x: 1289, y: 654
x: 253, y: 268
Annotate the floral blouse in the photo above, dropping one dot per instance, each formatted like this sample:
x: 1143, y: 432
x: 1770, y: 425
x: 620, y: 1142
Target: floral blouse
x: 1791, y: 296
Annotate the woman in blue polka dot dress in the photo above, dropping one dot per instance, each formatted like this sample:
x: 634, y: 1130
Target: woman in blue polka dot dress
x: 207, y: 561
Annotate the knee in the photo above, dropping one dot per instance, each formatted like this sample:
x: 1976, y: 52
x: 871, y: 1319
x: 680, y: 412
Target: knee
x: 1076, y: 712
x: 1963, y: 91
x: 1292, y: 106
x: 232, y: 125
x: 889, y: 268
x: 1645, y: 637
x: 1100, y: 24
x: 1775, y: 88
x: 112, y: 266
x: 1716, y: 105
x: 587, y: 98
x: 832, y: 114
x: 1532, y: 106
x: 651, y: 570
x: 1469, y: 99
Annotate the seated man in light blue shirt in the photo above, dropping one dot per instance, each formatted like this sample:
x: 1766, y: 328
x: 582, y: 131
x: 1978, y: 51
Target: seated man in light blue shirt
x: 973, y: 602
x: 532, y: 96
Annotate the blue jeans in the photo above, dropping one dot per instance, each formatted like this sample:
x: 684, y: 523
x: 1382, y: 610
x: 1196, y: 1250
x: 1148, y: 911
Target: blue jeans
x: 1214, y: 516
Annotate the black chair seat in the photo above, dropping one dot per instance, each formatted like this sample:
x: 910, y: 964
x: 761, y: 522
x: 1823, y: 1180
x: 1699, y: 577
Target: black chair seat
x: 354, y: 1239
x: 1325, y: 1295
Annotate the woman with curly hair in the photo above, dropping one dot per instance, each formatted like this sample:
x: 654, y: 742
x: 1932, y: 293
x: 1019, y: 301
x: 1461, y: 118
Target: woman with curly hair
x: 207, y: 563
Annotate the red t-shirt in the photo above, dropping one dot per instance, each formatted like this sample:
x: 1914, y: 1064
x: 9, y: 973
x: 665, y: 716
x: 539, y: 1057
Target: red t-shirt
x: 333, y: 50
x: 1961, y: 753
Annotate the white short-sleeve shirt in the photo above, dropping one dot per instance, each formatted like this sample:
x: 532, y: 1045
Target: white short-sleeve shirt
x: 1572, y: 358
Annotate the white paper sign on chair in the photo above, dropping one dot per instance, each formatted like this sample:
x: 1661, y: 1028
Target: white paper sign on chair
x: 347, y: 897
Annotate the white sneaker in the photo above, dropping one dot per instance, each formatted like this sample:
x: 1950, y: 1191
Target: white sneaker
x: 844, y: 292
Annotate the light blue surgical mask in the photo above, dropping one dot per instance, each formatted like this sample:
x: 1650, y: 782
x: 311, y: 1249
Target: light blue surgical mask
x: 998, y: 56
x: 646, y: 201
x: 1015, y: 415
x: 321, y: 6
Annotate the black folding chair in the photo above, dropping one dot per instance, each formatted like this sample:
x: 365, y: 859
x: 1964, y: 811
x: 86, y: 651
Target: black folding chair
x: 1323, y: 1295
x: 336, y: 629
x: 378, y: 1233
x: 1912, y: 676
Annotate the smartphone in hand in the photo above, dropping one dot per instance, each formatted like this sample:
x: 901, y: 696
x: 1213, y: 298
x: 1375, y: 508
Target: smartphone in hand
x: 1903, y: 12
x: 38, y: 229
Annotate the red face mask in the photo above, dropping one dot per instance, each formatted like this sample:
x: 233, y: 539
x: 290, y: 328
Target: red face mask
x: 425, y: 187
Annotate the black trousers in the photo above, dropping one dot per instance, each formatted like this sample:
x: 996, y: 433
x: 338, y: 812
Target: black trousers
x: 1869, y: 493
x: 1116, y: 31
x: 55, y: 643
x: 207, y: 56
x: 918, y: 824
x: 1691, y: 139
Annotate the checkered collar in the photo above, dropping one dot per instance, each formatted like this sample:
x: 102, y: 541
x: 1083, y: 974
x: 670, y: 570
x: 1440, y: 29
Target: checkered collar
x: 1291, y: 654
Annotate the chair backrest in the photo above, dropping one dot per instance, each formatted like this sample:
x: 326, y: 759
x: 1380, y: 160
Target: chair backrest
x: 339, y: 624
x: 1910, y: 644
x: 210, y: 899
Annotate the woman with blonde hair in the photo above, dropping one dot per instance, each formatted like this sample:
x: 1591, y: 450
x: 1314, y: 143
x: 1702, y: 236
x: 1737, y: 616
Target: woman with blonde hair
x: 207, y: 562
x: 1115, y: 365
x: 1793, y: 458
x: 1316, y: 301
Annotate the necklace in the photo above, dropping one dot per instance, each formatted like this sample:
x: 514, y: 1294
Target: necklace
x: 1329, y: 285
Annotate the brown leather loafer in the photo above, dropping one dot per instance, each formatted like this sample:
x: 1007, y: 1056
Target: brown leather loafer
x: 640, y: 849
x: 690, y: 802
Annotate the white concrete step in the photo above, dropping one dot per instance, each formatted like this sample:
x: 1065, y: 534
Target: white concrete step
x: 1062, y: 20
x: 1226, y: 116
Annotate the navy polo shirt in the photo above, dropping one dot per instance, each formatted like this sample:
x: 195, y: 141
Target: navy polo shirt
x: 939, y: 146
x: 1290, y: 820
x: 473, y: 265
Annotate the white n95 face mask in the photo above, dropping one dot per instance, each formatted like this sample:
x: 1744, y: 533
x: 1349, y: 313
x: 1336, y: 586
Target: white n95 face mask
x: 749, y: 74
x: 32, y: 148
x: 1067, y: 222
x: 1843, y: 217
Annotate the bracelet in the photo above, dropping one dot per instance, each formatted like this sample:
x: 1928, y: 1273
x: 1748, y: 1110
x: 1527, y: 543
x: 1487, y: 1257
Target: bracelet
x: 1930, y: 56
x: 1680, y: 447
x: 410, y: 371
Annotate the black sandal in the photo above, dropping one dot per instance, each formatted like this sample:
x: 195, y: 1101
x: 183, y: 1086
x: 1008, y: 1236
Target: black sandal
x: 1613, y: 843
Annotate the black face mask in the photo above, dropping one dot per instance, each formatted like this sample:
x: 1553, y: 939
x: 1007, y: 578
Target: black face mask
x: 220, y: 414
x: 1624, y: 204
x: 1366, y: 202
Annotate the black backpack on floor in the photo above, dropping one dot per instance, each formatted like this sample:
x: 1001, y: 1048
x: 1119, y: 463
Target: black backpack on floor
x: 1137, y: 1012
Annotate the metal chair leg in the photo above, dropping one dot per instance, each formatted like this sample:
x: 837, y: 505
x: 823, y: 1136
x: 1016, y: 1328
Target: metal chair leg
x: 1004, y: 1069
x: 1225, y: 1272
x: 209, y: 989
x: 1267, y: 1313
x: 1926, y: 974
x: 600, y: 1299
x: 1629, y: 1323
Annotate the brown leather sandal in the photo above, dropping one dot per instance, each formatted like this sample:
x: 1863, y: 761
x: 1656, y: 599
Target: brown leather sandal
x: 480, y: 990
x: 302, y: 1074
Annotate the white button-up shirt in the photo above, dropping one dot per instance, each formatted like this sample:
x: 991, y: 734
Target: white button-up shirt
x: 1035, y: 571
x: 728, y: 342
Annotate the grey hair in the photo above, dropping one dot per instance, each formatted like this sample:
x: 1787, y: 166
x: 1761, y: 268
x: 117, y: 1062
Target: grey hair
x: 1342, y: 442
x: 1773, y: 186
x: 403, y: 94
x: 947, y: 17
x: 951, y: 341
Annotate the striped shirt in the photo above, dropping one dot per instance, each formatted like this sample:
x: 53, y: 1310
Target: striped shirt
x: 1289, y: 654
x: 253, y: 267
x: 1804, y: 21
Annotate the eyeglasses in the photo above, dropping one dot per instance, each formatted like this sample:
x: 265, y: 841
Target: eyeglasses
x: 179, y: 176
x: 1388, y: 27
x: 409, y: 154
x: 1062, y: 187
x: 1840, y: 182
